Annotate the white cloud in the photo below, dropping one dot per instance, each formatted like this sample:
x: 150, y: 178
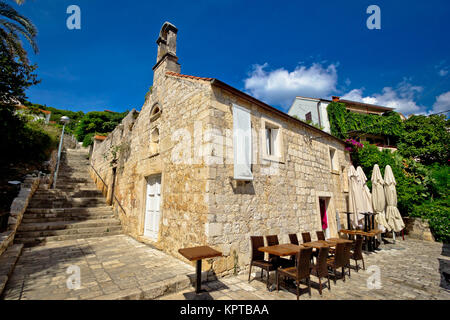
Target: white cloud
x: 280, y: 86
x: 401, y: 98
x: 442, y: 103
x: 443, y: 72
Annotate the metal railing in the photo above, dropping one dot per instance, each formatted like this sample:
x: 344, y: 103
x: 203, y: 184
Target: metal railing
x: 105, y: 185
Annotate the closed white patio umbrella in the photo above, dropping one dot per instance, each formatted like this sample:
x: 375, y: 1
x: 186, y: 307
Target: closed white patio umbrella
x: 393, y: 216
x: 378, y: 199
x: 367, y: 196
x: 355, y: 197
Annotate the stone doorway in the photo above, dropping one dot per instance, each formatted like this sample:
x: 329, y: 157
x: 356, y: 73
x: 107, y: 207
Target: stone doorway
x: 326, y: 214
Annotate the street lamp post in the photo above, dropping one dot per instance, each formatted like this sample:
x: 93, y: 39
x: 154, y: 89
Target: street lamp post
x: 65, y: 120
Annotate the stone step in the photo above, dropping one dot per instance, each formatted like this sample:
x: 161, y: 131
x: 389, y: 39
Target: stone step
x: 36, y: 241
x: 68, y: 194
x: 74, y: 187
x: 68, y: 203
x: 81, y: 232
x: 77, y: 217
x: 93, y: 210
x: 64, y: 225
x: 64, y: 180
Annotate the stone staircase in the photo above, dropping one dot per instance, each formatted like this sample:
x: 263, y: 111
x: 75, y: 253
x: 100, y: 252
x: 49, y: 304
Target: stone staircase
x: 74, y: 210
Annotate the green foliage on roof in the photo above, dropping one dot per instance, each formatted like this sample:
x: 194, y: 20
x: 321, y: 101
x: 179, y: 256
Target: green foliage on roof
x: 343, y: 122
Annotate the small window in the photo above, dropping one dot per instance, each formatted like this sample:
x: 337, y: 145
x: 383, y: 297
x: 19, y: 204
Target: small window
x: 333, y: 160
x: 308, y: 116
x: 155, y: 112
x: 272, y: 142
x: 269, y: 142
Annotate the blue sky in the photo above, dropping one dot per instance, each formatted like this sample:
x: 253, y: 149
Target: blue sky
x: 273, y: 50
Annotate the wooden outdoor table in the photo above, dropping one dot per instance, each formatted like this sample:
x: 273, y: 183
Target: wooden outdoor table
x: 334, y: 241
x: 282, y: 250
x: 316, y: 244
x: 197, y: 254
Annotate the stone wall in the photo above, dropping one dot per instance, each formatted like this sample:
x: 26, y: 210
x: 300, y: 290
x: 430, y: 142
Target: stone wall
x: 416, y: 228
x: 18, y: 208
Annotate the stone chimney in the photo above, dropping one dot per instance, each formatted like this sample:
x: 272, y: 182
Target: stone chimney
x: 335, y: 98
x: 167, y: 59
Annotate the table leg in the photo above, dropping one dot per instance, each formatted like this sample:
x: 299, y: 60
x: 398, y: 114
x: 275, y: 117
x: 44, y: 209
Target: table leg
x: 198, y: 284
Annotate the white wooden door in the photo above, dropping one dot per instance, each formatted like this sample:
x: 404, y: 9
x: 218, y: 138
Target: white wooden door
x: 152, y: 207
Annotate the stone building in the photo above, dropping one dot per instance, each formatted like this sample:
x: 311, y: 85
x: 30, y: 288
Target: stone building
x: 204, y: 163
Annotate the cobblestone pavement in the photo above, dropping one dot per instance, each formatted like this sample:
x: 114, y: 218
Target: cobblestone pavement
x: 113, y: 267
x: 409, y: 270
x: 118, y: 267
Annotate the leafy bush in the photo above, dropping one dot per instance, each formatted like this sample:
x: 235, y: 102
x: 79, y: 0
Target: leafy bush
x: 87, y: 141
x: 426, y: 139
x: 24, y: 141
x: 437, y: 213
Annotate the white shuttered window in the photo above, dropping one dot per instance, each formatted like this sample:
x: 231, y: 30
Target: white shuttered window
x: 242, y: 143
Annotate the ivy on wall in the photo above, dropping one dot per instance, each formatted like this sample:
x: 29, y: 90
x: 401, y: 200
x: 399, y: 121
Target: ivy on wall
x: 343, y: 121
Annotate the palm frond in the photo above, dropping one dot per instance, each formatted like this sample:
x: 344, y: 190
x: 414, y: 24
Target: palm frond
x: 12, y: 28
x: 14, y: 46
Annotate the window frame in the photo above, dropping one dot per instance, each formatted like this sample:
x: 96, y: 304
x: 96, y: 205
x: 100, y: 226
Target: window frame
x: 334, y: 162
x: 276, y: 140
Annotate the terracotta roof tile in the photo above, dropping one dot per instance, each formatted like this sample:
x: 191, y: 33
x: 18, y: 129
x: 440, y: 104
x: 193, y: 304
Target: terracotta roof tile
x: 170, y: 73
x: 100, y: 138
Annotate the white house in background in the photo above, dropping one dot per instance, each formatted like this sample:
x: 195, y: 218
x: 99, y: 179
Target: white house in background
x: 37, y: 115
x: 314, y: 110
x: 311, y: 110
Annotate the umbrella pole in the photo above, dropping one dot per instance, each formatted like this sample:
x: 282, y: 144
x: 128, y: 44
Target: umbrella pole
x: 393, y: 235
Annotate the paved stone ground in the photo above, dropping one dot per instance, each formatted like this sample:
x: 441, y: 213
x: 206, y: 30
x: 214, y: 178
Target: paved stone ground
x: 114, y: 267
x: 409, y: 270
x: 118, y: 267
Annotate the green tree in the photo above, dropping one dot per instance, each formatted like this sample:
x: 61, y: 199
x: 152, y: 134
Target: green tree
x: 426, y: 139
x: 97, y: 122
x: 15, y: 78
x: 13, y: 25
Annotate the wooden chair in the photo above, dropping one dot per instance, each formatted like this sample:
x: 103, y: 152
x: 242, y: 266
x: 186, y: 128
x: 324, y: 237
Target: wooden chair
x: 320, y: 269
x: 347, y: 255
x: 277, y: 261
x: 257, y: 258
x: 306, y: 237
x: 357, y: 254
x: 338, y: 261
x: 293, y: 238
x: 320, y: 235
x: 300, y: 272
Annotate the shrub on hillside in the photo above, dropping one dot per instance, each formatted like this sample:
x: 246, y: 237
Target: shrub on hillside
x: 24, y: 140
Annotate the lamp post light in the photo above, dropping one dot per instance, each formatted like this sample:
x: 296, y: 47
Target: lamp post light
x: 64, y: 120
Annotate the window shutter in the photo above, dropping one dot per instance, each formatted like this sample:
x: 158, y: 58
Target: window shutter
x: 242, y: 143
